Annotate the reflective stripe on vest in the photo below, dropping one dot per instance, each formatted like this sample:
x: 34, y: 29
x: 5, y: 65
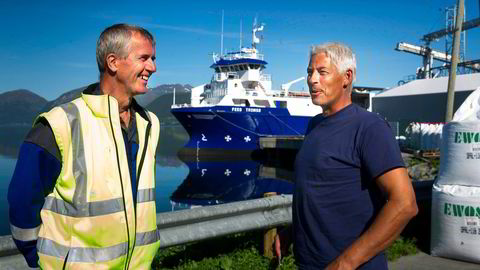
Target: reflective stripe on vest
x: 89, y: 255
x: 146, y: 195
x: 24, y: 234
x: 92, y: 209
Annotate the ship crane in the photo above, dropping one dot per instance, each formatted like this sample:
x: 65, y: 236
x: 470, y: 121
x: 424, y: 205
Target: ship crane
x: 286, y: 86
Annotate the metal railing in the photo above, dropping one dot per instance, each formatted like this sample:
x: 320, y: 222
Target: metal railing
x: 185, y: 226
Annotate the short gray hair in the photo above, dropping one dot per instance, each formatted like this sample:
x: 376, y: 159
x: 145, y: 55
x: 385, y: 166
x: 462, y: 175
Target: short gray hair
x: 340, y: 54
x: 116, y: 39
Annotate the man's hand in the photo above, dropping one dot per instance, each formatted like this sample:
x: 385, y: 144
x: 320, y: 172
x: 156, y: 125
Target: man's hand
x: 282, y: 242
x: 340, y: 264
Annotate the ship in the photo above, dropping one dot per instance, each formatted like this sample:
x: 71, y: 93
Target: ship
x: 239, y: 106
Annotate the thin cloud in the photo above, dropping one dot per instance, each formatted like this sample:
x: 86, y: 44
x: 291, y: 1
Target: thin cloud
x: 191, y: 30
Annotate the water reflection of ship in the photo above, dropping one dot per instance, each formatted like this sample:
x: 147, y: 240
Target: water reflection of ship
x: 213, y: 182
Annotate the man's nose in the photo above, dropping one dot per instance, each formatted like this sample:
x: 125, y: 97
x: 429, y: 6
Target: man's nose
x: 151, y: 66
x: 313, y: 78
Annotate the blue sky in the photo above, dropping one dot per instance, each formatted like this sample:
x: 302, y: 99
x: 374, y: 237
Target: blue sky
x: 48, y: 47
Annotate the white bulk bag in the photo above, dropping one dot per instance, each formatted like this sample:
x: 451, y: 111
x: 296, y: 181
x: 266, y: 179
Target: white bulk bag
x: 455, y: 229
x: 460, y: 154
x: 470, y: 108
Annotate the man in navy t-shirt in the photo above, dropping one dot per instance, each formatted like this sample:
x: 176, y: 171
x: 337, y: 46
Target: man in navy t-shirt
x: 353, y: 195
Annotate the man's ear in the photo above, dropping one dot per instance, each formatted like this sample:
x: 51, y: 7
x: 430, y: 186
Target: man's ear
x: 112, y: 62
x: 347, y: 78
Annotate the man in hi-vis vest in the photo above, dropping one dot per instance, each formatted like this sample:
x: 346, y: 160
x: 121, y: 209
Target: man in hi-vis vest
x: 83, y: 192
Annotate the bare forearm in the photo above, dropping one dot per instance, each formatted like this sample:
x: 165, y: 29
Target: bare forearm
x: 401, y: 206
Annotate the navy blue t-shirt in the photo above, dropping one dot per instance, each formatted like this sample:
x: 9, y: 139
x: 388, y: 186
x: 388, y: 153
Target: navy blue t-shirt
x: 336, y: 197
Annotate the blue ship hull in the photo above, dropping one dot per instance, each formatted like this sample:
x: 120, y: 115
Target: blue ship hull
x: 236, y: 128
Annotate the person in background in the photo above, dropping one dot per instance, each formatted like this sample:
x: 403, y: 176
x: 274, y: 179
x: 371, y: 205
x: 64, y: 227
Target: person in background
x: 352, y: 194
x: 82, y: 194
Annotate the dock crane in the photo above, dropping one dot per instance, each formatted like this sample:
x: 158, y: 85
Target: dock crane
x: 429, y: 54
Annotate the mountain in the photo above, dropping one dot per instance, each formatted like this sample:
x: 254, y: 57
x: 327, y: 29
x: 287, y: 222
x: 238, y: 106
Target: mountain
x: 64, y: 98
x: 20, y: 107
x: 160, y: 90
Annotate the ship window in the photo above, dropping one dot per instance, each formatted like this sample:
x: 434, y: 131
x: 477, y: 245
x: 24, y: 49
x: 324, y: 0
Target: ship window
x: 281, y: 104
x: 224, y: 69
x: 217, y: 70
x: 251, y: 66
x: 235, y: 68
x: 239, y: 101
x: 261, y: 102
x: 240, y: 67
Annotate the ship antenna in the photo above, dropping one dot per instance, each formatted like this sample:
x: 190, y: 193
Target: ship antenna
x: 241, y: 34
x: 174, y: 96
x: 221, y: 39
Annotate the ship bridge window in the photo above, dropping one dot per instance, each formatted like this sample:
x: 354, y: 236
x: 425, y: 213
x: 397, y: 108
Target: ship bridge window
x: 240, y: 67
x: 240, y: 101
x: 235, y: 68
x: 224, y: 69
x: 217, y: 70
x: 281, y: 104
x: 261, y: 102
x: 254, y: 66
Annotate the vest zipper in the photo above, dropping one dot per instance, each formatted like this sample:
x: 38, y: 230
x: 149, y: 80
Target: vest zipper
x: 121, y: 183
x: 145, y: 145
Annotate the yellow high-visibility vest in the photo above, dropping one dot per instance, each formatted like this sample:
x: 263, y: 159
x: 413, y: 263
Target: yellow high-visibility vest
x: 90, y: 221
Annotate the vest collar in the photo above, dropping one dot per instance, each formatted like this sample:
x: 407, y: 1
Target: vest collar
x: 98, y: 103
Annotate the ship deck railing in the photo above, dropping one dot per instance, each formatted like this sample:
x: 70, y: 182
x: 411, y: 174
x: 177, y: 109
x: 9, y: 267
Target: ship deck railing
x: 184, y: 105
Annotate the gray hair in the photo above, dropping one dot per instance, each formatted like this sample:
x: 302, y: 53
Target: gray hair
x: 116, y: 39
x: 340, y: 54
